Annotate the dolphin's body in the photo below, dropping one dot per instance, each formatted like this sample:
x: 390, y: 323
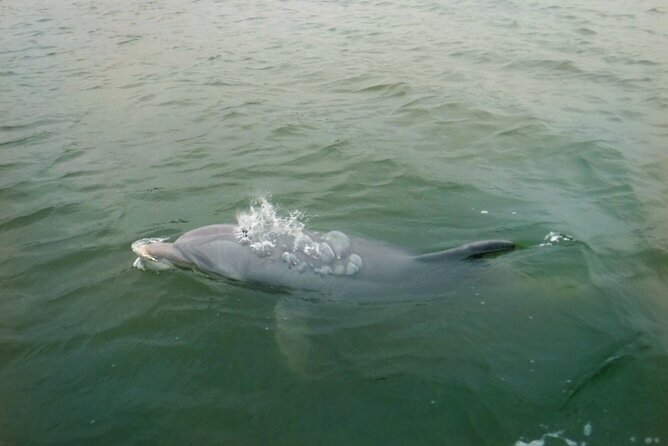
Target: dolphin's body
x: 333, y: 262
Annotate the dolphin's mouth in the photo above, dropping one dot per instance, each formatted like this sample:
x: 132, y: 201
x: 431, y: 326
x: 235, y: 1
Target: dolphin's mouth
x: 146, y: 261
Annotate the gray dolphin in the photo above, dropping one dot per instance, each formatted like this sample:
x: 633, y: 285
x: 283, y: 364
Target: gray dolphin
x: 331, y: 262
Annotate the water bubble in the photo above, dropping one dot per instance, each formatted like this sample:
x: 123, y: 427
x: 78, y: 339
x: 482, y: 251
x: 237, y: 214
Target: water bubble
x: 325, y: 270
x: 339, y: 269
x: 290, y: 259
x: 339, y: 242
x: 325, y: 253
x: 354, y: 264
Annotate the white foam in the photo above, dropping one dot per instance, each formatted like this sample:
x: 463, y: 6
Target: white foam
x: 552, y: 238
x: 550, y: 437
x: 541, y: 441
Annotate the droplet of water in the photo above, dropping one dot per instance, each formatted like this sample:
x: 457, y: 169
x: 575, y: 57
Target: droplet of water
x: 587, y: 429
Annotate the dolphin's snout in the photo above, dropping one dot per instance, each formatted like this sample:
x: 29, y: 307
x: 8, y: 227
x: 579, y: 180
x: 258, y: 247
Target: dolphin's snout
x: 150, y: 254
x: 140, y: 247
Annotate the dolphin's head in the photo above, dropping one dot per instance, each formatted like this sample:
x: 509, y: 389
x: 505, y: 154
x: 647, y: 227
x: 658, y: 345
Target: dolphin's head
x: 154, y: 254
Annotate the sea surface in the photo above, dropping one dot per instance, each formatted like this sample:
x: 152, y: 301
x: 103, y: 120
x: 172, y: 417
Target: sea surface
x: 421, y: 123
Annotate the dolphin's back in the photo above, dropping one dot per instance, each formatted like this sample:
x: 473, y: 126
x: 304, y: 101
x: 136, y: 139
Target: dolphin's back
x: 469, y: 251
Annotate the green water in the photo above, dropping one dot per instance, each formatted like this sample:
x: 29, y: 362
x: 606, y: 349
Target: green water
x: 398, y: 121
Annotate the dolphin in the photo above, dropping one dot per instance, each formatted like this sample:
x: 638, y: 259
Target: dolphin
x: 331, y: 262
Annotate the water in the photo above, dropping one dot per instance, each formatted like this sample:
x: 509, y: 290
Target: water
x: 424, y: 124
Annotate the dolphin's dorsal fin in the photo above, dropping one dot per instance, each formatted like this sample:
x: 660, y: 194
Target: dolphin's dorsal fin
x: 469, y: 251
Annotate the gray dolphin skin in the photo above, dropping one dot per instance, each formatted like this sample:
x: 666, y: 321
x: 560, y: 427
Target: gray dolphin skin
x: 331, y: 262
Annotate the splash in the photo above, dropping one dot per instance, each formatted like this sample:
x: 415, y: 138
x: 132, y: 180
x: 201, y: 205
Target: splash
x: 549, y: 438
x: 263, y: 229
x: 558, y: 437
x: 269, y: 234
x: 552, y: 238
